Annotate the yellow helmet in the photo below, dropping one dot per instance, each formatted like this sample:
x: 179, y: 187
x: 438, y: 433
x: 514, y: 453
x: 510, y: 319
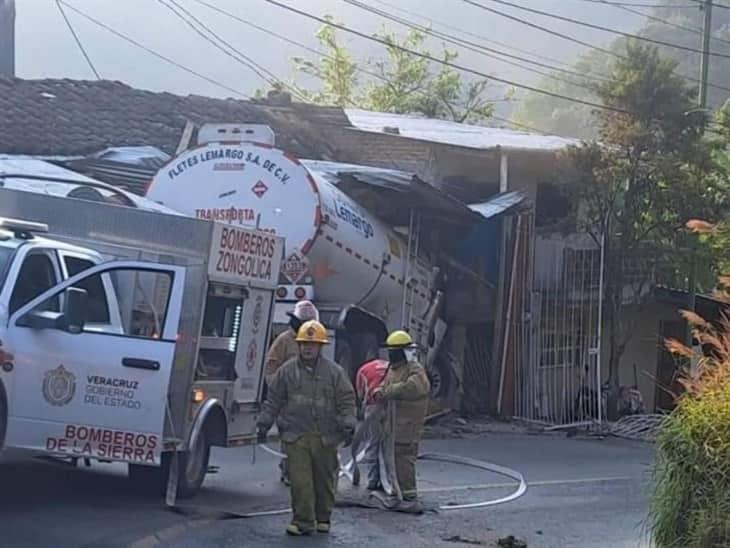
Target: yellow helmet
x: 312, y: 331
x: 399, y: 339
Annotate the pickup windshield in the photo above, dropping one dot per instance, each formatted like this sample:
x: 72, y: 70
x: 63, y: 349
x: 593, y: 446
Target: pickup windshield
x: 6, y: 254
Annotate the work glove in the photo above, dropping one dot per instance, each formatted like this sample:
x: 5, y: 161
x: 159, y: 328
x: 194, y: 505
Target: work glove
x: 261, y: 434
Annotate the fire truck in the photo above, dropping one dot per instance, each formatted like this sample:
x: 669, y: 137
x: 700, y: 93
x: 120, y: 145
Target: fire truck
x: 129, y: 335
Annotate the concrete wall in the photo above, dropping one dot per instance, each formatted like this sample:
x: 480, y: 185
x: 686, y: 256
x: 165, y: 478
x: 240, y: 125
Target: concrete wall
x: 643, y: 349
x: 7, y: 38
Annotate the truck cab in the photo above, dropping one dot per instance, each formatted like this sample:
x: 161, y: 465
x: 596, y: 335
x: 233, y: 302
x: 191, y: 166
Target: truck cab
x: 31, y: 264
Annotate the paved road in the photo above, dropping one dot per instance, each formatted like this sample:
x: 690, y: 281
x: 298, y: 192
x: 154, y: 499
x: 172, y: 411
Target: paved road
x: 583, y: 493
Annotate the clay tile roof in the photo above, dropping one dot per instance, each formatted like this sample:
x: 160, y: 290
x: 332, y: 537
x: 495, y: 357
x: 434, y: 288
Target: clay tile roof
x: 76, y: 117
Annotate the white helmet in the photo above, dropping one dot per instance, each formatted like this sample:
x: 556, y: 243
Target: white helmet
x: 305, y: 311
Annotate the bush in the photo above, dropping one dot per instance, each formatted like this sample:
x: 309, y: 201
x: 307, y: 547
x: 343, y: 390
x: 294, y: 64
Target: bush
x: 690, y: 506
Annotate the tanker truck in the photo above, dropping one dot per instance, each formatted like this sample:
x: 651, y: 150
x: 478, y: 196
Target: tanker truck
x: 364, y: 276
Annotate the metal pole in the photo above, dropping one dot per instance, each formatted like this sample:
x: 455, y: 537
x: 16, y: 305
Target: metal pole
x: 705, y: 64
x: 599, y: 333
x: 701, y: 103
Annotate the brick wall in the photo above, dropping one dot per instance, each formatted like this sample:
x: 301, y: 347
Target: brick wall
x: 383, y: 150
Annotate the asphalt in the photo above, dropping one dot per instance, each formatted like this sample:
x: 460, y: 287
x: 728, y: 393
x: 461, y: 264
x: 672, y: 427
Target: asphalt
x: 582, y: 493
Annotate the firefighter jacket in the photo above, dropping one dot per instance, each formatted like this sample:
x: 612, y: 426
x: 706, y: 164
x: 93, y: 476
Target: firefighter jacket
x: 282, y: 350
x: 407, y: 385
x: 320, y: 400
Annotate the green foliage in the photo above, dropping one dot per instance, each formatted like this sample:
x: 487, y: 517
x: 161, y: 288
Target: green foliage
x: 645, y: 180
x: 563, y: 117
x: 556, y: 115
x: 337, y: 71
x: 401, y: 82
x: 690, y: 499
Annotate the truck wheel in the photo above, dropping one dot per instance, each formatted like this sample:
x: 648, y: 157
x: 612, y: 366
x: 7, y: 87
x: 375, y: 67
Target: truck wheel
x: 193, y: 467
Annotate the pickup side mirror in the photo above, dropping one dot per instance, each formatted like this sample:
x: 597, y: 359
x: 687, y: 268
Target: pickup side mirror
x: 75, y: 308
x: 71, y: 320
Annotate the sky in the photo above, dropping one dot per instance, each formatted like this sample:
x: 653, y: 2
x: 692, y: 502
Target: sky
x: 45, y: 47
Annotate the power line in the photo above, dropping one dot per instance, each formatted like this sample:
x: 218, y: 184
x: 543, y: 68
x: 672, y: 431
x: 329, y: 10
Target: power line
x: 151, y: 51
x: 593, y: 26
x: 714, y: 4
x: 445, y: 62
x: 480, y: 49
x: 640, y: 5
x: 473, y: 35
x: 694, y: 30
x: 279, y: 36
x: 234, y: 54
x: 78, y: 40
x: 577, y: 41
x: 301, y: 45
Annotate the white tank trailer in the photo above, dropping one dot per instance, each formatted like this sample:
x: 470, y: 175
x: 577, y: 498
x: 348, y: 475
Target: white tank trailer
x: 362, y: 274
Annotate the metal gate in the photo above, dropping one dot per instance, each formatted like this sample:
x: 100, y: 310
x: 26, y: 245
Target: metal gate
x: 558, y: 378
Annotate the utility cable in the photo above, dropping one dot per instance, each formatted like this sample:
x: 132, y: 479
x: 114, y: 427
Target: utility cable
x: 465, y: 32
x: 444, y: 62
x: 78, y: 40
x: 480, y: 49
x: 640, y: 5
x: 315, y: 51
x: 577, y: 41
x: 593, y: 26
x: 151, y: 51
x: 234, y: 54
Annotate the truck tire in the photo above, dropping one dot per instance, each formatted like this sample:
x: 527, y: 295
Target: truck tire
x: 192, y: 468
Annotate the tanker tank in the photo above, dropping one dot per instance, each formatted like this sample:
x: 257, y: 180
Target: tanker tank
x: 351, y: 256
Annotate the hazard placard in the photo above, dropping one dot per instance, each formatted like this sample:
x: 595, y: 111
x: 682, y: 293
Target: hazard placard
x: 294, y: 267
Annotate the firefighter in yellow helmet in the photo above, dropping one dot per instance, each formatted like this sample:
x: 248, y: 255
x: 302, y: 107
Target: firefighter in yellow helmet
x: 407, y: 385
x: 313, y: 403
x: 285, y: 348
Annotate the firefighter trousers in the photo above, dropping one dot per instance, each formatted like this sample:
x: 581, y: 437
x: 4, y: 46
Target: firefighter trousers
x: 313, y: 469
x: 406, y: 455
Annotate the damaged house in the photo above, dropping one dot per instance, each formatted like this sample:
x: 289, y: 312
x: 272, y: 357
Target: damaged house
x: 524, y: 333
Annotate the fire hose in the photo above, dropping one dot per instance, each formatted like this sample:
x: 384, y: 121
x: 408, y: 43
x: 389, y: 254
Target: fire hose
x: 372, y: 427
x: 437, y: 457
x: 464, y: 461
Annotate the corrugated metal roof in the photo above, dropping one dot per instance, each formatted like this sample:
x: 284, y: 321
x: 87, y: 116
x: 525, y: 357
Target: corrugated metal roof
x: 421, y: 194
x: 47, y: 178
x: 498, y: 204
x: 454, y: 133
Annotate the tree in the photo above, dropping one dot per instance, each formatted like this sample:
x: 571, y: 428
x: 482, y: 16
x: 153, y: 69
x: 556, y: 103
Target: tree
x: 650, y: 174
x: 561, y: 117
x: 401, y: 82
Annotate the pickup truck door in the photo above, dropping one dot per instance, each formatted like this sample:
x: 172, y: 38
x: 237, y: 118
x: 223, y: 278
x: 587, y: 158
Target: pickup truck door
x: 98, y: 393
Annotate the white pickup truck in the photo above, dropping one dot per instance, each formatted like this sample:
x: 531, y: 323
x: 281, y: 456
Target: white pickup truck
x: 130, y: 335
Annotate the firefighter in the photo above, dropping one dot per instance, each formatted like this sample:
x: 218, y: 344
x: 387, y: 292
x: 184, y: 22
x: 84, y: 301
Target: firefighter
x: 313, y: 403
x: 368, y: 380
x: 407, y: 385
x: 283, y: 349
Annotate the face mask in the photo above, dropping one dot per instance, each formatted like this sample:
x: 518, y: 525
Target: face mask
x: 396, y: 355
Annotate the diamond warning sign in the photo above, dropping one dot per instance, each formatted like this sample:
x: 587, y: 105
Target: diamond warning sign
x: 259, y: 189
x: 294, y: 267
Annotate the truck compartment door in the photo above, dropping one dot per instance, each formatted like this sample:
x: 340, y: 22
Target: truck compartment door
x: 253, y: 345
x: 97, y: 390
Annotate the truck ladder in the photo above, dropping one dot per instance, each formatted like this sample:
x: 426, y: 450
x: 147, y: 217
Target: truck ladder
x: 409, y: 282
